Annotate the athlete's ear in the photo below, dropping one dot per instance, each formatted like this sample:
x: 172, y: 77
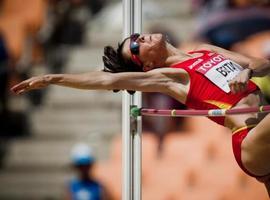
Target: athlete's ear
x: 148, y: 66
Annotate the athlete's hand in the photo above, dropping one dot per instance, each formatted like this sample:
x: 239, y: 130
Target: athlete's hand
x: 240, y: 82
x: 33, y: 83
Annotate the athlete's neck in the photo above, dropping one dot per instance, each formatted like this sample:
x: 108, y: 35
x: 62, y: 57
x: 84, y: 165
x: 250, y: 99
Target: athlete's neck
x: 175, y: 55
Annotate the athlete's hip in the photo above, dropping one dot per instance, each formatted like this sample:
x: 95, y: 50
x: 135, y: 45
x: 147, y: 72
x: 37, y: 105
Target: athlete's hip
x: 235, y: 122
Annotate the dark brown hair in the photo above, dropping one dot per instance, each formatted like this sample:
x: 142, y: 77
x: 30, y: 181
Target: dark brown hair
x: 114, y: 61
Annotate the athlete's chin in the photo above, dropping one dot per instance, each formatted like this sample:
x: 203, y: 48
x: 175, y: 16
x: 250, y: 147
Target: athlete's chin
x: 160, y: 37
x: 159, y: 41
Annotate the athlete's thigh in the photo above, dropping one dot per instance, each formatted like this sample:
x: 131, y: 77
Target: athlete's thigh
x: 255, y: 148
x: 261, y: 132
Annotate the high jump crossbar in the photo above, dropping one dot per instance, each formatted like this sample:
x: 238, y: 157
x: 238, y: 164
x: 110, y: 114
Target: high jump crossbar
x: 135, y: 112
x: 131, y: 127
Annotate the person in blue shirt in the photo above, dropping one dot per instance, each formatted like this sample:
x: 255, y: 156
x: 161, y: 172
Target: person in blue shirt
x: 84, y: 186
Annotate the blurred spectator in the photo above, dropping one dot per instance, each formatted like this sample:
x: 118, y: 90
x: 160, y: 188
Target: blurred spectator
x: 19, y: 23
x: 67, y: 27
x: 257, y: 45
x: 96, y: 5
x: 84, y: 186
x: 36, y: 32
x: 225, y: 22
x: 3, y: 75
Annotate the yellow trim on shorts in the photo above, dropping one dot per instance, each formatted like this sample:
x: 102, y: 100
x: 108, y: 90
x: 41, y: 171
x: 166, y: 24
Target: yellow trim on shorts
x: 243, y: 128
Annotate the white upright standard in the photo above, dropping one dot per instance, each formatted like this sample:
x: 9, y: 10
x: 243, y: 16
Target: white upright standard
x: 131, y: 128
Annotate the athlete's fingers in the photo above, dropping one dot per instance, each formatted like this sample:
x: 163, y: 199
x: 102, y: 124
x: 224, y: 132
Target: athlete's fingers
x: 26, y: 89
x: 241, y: 87
x: 244, y: 86
x: 20, y: 86
x: 232, y: 85
x: 234, y: 88
x: 29, y: 84
x: 238, y: 85
x: 233, y: 91
x: 20, y: 91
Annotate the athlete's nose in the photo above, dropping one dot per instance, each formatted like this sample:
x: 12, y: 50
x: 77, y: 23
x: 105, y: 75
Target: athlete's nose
x: 142, y: 38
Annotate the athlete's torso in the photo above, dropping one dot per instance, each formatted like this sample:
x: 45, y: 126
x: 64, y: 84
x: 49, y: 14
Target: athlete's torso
x: 209, y: 74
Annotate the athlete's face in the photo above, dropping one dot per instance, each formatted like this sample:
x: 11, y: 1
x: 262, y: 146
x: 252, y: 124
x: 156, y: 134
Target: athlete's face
x: 146, y: 49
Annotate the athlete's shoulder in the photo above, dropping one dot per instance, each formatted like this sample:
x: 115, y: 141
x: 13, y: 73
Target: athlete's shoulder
x: 168, y: 70
x: 204, y: 47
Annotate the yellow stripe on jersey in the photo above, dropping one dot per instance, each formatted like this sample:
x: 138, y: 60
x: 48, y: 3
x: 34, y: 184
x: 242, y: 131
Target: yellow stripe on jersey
x: 219, y: 104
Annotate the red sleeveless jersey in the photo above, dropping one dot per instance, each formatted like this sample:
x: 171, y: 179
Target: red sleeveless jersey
x: 209, y: 76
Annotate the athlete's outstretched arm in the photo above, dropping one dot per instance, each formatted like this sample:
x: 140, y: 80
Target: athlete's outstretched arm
x: 158, y: 80
x: 97, y: 80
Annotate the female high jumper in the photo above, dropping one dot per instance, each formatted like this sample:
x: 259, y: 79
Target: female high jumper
x: 209, y: 77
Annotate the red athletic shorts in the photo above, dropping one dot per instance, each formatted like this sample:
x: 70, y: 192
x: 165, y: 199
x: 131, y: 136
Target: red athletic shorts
x: 237, y: 139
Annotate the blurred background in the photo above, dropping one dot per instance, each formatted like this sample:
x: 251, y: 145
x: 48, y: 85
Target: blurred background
x: 62, y: 143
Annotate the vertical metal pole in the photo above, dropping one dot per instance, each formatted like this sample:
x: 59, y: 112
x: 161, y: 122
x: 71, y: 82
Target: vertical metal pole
x: 131, y: 153
x: 137, y: 146
x: 126, y: 136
